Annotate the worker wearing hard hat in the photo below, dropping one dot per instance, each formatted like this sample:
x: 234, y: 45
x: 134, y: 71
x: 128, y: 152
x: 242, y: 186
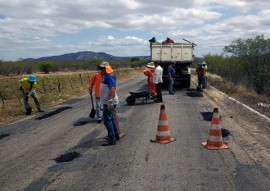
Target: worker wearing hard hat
x: 204, y: 82
x: 27, y: 87
x: 149, y: 72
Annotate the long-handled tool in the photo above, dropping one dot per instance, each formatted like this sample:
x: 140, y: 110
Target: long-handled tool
x: 93, y: 111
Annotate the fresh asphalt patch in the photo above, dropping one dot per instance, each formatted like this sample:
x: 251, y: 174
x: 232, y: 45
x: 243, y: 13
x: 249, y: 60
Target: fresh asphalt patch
x: 67, y: 157
x: 54, y: 112
x: 194, y: 94
x: 225, y: 133
x: 3, y: 135
x: 207, y: 116
x: 84, y: 121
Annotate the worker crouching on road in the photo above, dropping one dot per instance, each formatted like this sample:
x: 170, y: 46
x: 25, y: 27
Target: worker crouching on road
x: 109, y: 99
x: 27, y: 87
x: 149, y: 72
x: 95, y: 81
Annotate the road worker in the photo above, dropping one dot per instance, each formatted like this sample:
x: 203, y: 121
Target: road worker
x: 27, y: 87
x: 95, y: 81
x: 204, y: 82
x: 200, y: 74
x: 171, y: 77
x: 149, y: 72
x: 109, y: 99
x: 158, y: 81
x: 168, y: 40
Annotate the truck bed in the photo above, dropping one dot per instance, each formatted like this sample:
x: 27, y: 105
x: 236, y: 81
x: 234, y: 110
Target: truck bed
x: 178, y: 52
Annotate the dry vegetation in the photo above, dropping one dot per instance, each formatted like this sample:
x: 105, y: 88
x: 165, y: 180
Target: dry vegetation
x: 260, y: 103
x: 57, y: 88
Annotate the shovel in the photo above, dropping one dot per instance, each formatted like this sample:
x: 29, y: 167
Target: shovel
x: 93, y: 111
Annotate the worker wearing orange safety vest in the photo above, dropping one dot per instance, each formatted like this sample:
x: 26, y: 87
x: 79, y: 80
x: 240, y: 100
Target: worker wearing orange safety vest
x: 95, y: 81
x: 149, y: 71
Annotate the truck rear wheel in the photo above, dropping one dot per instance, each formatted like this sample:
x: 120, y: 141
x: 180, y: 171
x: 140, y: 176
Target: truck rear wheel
x: 187, y: 84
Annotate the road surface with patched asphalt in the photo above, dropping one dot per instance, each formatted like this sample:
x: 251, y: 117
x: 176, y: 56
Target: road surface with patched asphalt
x: 29, y: 149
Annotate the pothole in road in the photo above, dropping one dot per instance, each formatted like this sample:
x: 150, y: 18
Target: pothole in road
x: 80, y: 123
x: 49, y: 114
x: 207, y: 116
x: 67, y: 157
x: 225, y: 133
x: 3, y: 135
x: 194, y: 94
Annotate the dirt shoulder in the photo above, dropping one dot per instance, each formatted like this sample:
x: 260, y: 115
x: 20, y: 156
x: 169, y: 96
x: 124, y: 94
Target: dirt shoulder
x: 249, y: 131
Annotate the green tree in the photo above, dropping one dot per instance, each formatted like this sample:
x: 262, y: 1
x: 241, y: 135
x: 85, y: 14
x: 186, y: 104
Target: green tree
x: 45, y: 67
x: 254, y: 55
x: 134, y: 59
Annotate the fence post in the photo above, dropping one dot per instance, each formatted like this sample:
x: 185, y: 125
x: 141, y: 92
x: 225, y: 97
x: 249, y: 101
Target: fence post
x: 59, y: 85
x: 2, y: 98
x: 43, y: 85
x: 70, y: 81
x: 81, y: 79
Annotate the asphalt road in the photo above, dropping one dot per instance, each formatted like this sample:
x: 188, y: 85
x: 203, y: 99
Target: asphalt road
x: 28, y: 149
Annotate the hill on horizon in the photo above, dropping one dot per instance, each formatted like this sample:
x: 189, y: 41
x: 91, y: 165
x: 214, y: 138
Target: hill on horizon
x: 84, y: 55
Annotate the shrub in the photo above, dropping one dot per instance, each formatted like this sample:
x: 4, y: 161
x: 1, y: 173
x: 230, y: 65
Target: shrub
x: 45, y: 67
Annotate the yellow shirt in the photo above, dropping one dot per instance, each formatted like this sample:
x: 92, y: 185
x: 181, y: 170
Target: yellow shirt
x: 26, y: 85
x: 205, y: 70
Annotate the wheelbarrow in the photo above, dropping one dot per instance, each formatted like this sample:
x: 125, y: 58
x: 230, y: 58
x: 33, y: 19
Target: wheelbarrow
x: 142, y: 97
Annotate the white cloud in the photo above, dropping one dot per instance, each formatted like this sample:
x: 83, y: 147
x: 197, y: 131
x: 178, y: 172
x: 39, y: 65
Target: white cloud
x: 42, y: 28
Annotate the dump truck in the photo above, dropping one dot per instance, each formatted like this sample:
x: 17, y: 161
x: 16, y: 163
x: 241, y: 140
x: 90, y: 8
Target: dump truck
x: 180, y: 53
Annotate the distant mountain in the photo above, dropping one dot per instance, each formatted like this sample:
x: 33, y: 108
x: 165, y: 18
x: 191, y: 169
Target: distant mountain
x: 84, y: 55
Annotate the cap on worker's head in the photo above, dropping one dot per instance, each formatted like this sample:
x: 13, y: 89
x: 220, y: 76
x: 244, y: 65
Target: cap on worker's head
x: 153, y: 39
x: 32, y: 78
x: 107, y: 67
x: 150, y: 65
x: 204, y: 63
x: 199, y: 65
x: 173, y: 62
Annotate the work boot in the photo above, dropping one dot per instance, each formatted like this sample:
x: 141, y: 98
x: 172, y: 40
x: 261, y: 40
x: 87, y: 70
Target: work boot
x: 40, y: 110
x: 117, y: 136
x: 99, y: 120
x: 109, y: 143
x: 28, y: 111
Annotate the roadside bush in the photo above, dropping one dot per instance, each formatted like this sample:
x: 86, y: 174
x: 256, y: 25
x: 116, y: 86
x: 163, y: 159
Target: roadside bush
x: 45, y: 67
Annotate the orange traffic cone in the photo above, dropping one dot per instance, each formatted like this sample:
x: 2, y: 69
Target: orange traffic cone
x: 163, y: 131
x: 215, y: 140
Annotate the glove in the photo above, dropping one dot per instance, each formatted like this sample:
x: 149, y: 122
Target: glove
x: 21, y: 89
x: 110, y: 105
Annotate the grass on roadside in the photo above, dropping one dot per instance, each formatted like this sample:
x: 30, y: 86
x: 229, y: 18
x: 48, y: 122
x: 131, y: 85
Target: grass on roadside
x: 52, y: 89
x: 240, y: 93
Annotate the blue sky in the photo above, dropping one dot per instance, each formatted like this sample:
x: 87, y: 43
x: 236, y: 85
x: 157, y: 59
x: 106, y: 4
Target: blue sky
x: 33, y: 29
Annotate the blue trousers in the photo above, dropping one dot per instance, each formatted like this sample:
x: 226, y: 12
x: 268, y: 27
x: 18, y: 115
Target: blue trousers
x: 110, y: 123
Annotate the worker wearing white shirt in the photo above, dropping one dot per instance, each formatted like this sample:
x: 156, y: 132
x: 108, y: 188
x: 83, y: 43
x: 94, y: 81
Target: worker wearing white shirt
x: 158, y: 81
